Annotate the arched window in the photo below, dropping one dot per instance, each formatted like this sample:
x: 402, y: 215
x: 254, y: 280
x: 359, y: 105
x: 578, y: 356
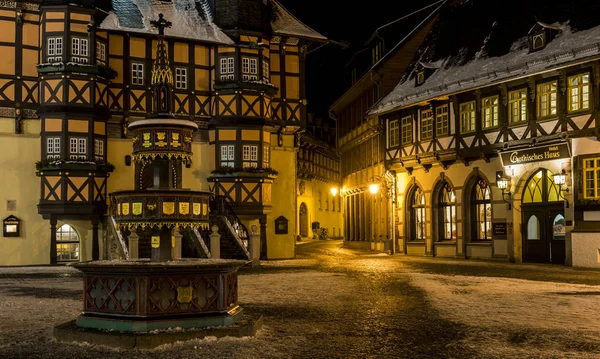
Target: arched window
x: 67, y: 244
x: 541, y: 188
x: 482, y: 205
x: 447, y: 213
x: 418, y: 216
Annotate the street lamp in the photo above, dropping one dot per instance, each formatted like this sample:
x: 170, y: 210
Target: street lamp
x: 334, y: 191
x: 502, y: 183
x: 560, y: 179
x: 374, y: 188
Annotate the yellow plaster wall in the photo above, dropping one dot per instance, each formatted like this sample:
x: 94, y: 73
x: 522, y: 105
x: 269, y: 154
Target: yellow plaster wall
x: 7, y: 65
x: 122, y: 178
x: 8, y: 31
x: 30, y: 61
x: 201, y: 55
x: 328, y: 218
x: 19, y: 182
x: 181, y: 52
x: 137, y: 47
x: 195, y: 177
x: 31, y: 34
x: 283, y: 197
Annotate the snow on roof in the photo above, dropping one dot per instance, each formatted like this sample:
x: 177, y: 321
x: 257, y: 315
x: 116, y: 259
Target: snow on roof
x: 567, y: 47
x: 284, y: 23
x: 554, y: 26
x: 135, y: 16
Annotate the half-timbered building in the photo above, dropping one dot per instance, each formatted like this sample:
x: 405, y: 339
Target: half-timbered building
x: 372, y: 73
x: 76, y: 74
x: 493, y: 134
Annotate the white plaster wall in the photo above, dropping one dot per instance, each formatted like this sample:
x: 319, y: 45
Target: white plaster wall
x: 585, y: 249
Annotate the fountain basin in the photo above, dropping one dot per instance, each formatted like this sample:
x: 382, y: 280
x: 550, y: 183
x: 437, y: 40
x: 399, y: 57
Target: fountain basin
x: 143, y: 295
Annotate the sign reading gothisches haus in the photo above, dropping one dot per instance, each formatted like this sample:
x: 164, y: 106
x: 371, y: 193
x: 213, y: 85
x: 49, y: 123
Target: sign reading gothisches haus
x: 535, y: 154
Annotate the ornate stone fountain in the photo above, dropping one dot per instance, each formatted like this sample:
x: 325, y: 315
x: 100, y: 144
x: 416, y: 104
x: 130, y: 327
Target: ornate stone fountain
x: 163, y: 291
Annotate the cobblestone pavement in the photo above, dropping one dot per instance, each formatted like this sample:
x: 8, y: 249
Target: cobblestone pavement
x: 332, y: 302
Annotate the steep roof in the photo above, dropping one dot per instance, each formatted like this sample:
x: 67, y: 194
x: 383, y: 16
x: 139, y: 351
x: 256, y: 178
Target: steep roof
x: 478, y: 43
x: 192, y: 19
x: 189, y: 21
x: 284, y: 23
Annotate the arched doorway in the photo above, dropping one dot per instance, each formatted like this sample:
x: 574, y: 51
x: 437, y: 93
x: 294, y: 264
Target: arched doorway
x: 303, y: 220
x: 67, y: 244
x: 543, y: 220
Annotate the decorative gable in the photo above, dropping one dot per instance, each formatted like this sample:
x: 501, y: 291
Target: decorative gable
x: 541, y: 34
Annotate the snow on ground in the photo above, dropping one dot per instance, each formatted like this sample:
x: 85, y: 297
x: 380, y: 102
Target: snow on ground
x: 518, y: 318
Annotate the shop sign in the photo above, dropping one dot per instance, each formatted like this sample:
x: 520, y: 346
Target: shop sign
x: 535, y: 154
x: 499, y: 229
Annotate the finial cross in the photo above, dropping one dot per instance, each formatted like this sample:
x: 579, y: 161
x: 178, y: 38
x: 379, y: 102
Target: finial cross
x: 161, y: 24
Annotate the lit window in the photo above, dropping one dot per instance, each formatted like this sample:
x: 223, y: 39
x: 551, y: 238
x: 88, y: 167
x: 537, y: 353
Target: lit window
x: 394, y: 134
x: 483, y: 210
x: 79, y: 50
x: 181, y: 78
x: 67, y: 244
x: 579, y: 92
x: 441, y: 120
x: 546, y: 99
x: 467, y: 117
x: 228, y: 156
x: 591, y: 175
x: 407, y: 136
x: 266, y: 156
x: 447, y: 211
x: 417, y: 210
x: 77, y: 148
x: 53, y: 148
x: 55, y: 49
x: 426, y: 124
x: 517, y: 106
x: 538, y: 41
x: 265, y: 73
x: 250, y: 156
x: 249, y: 69
x: 100, y: 53
x: 137, y: 73
x: 227, y: 68
x: 489, y: 112
x: 99, y: 149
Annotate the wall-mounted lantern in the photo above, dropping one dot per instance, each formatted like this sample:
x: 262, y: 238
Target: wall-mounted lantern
x: 560, y: 179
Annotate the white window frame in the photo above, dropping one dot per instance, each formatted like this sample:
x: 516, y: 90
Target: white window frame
x: 80, y: 50
x: 77, y: 148
x: 249, y: 69
x: 227, y: 68
x: 55, y: 49
x: 99, y: 149
x: 250, y: 156
x: 137, y: 73
x: 181, y: 78
x: 100, y: 53
x: 53, y: 148
x: 227, y: 155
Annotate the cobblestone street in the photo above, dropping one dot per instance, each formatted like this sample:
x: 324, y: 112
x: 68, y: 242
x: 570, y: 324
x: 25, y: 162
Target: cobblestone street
x: 333, y: 302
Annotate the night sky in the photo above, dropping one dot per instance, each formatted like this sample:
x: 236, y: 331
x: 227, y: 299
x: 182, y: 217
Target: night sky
x: 341, y: 20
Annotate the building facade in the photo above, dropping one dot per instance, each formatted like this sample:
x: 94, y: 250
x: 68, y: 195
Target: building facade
x: 76, y: 74
x: 373, y: 72
x: 494, y: 135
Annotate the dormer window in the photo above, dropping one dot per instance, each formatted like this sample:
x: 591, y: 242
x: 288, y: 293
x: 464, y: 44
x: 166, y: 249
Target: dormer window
x: 538, y: 41
x: 423, y: 71
x: 541, y: 34
x: 420, y: 77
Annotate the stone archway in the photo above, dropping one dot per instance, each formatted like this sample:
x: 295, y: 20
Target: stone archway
x: 303, y: 220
